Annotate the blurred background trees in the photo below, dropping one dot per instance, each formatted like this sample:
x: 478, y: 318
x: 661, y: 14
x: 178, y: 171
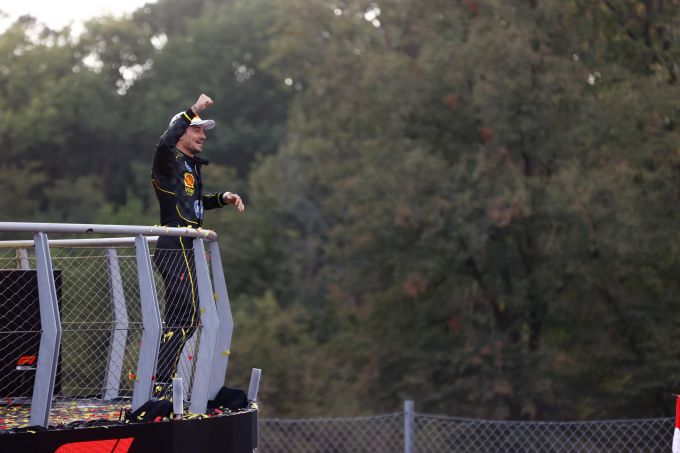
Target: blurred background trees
x: 466, y: 203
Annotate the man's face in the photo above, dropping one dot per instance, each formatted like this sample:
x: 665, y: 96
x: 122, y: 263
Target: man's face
x: 192, y: 140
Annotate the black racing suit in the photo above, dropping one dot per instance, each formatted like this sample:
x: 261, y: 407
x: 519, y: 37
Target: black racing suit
x: 177, y: 182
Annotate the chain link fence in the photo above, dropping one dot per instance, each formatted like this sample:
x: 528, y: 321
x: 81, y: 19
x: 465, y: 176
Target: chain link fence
x: 100, y: 310
x: 108, y: 322
x: 101, y: 321
x: 99, y: 306
x: 384, y: 433
x: 422, y: 433
x: 435, y: 433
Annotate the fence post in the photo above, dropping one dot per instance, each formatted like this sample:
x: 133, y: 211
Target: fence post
x: 22, y: 259
x: 408, y: 426
x: 151, y: 320
x: 114, y: 364
x: 50, y: 324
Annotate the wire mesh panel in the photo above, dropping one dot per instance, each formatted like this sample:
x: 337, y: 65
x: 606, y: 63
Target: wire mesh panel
x: 91, y: 302
x: 100, y: 311
x: 175, y: 275
x: 100, y: 339
x: 383, y: 433
x: 436, y: 433
x: 130, y: 342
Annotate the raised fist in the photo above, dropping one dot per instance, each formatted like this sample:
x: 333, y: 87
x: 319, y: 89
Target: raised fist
x: 202, y: 103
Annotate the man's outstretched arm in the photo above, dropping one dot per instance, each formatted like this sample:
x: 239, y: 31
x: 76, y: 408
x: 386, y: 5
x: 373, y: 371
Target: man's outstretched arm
x: 217, y: 200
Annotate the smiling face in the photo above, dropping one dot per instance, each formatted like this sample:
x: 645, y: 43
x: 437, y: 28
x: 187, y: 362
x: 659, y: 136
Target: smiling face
x: 191, y: 143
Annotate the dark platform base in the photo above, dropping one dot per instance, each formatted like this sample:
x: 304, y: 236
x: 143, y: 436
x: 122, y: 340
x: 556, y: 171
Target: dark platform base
x: 235, y: 433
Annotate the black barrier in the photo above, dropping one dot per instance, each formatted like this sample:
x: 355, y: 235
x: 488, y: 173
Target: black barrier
x: 20, y: 332
x: 234, y: 433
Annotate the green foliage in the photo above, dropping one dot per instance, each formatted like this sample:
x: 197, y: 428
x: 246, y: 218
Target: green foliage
x: 21, y: 182
x: 462, y: 183
x: 132, y: 212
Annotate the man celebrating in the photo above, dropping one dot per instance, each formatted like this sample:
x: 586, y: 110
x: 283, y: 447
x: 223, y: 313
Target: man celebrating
x: 176, y: 178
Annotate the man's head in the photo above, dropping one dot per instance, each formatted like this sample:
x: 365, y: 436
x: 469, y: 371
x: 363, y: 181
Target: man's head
x: 191, y: 142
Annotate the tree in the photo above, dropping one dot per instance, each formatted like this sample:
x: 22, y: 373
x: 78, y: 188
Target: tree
x: 441, y: 206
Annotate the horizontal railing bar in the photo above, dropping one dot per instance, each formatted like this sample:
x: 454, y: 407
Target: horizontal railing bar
x: 85, y: 228
x: 4, y: 332
x: 19, y: 331
x: 90, y: 330
x: 93, y: 242
x: 108, y: 329
x: 88, y: 324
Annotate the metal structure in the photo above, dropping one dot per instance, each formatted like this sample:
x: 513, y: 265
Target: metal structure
x: 413, y: 432
x: 101, y: 305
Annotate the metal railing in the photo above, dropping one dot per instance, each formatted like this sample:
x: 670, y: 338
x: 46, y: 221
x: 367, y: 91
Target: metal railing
x: 83, y: 318
x: 413, y: 432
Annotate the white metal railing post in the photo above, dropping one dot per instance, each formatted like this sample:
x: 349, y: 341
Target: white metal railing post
x: 178, y: 397
x: 114, y: 362
x: 408, y: 426
x: 50, y: 325
x: 209, y: 323
x: 254, y: 386
x: 226, y: 327
x: 151, y: 320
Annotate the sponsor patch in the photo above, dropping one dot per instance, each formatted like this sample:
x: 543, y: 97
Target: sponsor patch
x: 188, y: 167
x: 198, y: 209
x: 189, y: 180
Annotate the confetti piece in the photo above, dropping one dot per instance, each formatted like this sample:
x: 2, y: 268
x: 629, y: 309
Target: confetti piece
x: 61, y: 413
x: 66, y: 412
